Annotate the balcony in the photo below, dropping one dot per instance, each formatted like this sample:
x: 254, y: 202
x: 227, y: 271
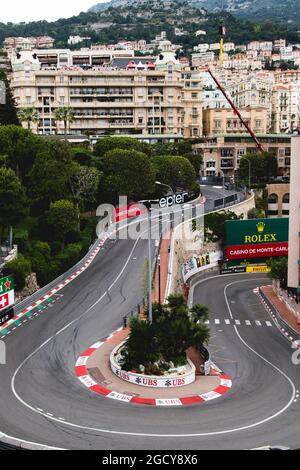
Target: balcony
x: 227, y: 164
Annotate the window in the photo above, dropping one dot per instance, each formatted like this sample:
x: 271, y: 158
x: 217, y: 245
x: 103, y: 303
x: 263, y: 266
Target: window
x: 286, y: 199
x: 273, y: 199
x: 210, y: 164
x: 258, y: 123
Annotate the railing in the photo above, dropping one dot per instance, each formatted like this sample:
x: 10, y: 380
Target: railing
x: 293, y: 333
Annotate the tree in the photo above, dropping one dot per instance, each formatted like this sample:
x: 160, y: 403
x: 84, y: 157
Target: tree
x: 65, y: 114
x: 50, y: 175
x: 183, y: 148
x: 8, y: 110
x: 200, y: 313
x: 83, y: 156
x: 141, y: 347
x: 176, y: 172
x: 214, y: 225
x: 19, y: 268
x: 12, y: 199
x: 21, y: 147
x: 107, y: 144
x: 279, y: 270
x: 63, y: 218
x: 263, y: 166
x: 28, y: 115
x: 255, y: 213
x: 127, y: 173
x: 84, y: 183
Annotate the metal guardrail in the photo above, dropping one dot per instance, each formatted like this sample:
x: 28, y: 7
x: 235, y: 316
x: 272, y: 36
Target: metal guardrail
x: 279, y: 319
x: 29, y: 300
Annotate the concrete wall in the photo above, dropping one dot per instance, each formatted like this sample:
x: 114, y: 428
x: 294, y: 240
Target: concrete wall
x: 180, y: 253
x: 294, y: 226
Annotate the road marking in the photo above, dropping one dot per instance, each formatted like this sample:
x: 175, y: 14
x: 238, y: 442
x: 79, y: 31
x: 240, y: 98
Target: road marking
x: 237, y: 322
x: 227, y: 322
x: 268, y: 323
x: 217, y: 322
x: 171, y: 436
x: 258, y: 323
x: 248, y: 322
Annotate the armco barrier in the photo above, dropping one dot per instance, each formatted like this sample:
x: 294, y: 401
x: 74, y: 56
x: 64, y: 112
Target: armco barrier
x: 286, y: 329
x: 29, y: 300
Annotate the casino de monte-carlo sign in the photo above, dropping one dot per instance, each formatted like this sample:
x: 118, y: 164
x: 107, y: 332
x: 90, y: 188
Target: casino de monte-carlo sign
x: 256, y: 238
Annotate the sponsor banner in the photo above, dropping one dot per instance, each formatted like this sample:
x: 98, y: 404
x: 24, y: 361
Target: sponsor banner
x: 153, y: 381
x: 262, y: 250
x: 199, y: 263
x: 6, y: 315
x: 234, y: 270
x: 255, y: 231
x: 6, y: 284
x: 258, y: 269
x: 173, y: 200
x: 7, y: 300
x: 129, y: 212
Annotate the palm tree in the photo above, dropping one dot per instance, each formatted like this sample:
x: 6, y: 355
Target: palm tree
x: 28, y: 115
x: 65, y: 114
x: 200, y: 313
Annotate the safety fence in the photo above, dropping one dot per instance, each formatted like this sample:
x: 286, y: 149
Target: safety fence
x: 282, y: 323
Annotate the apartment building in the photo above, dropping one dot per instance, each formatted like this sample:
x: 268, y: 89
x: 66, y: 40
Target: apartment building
x: 222, y: 153
x: 294, y: 225
x: 285, y: 107
x: 253, y: 92
x: 23, y: 44
x: 202, y: 59
x: 64, y: 58
x: 242, y: 62
x: 287, y: 76
x: 225, y: 121
x: 192, y: 101
x: 108, y: 99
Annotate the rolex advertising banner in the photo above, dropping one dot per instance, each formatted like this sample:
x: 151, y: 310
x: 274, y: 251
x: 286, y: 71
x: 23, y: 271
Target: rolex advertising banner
x: 256, y: 238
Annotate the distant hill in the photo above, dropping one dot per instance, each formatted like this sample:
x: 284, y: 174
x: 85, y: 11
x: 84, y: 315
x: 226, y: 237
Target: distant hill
x: 143, y: 19
x: 251, y: 9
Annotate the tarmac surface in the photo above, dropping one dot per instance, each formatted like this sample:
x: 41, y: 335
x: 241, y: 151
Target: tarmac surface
x: 43, y: 401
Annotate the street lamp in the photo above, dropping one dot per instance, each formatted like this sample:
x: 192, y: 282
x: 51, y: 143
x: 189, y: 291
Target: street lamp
x: 165, y: 185
x: 148, y: 204
x: 249, y: 164
x: 223, y: 188
x: 159, y: 280
x: 236, y: 178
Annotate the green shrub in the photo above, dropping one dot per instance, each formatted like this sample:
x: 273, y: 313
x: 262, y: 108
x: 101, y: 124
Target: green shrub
x: 20, y: 268
x: 21, y: 239
x: 70, y: 256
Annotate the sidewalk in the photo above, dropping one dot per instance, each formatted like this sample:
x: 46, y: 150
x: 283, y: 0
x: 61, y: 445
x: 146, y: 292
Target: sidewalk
x: 164, y: 267
x: 282, y: 309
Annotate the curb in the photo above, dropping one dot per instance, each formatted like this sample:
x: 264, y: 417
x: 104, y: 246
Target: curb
x: 271, y: 313
x: 84, y: 377
x: 55, y: 290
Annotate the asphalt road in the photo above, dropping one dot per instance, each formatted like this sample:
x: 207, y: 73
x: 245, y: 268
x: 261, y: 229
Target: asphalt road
x: 214, y: 192
x: 42, y: 401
